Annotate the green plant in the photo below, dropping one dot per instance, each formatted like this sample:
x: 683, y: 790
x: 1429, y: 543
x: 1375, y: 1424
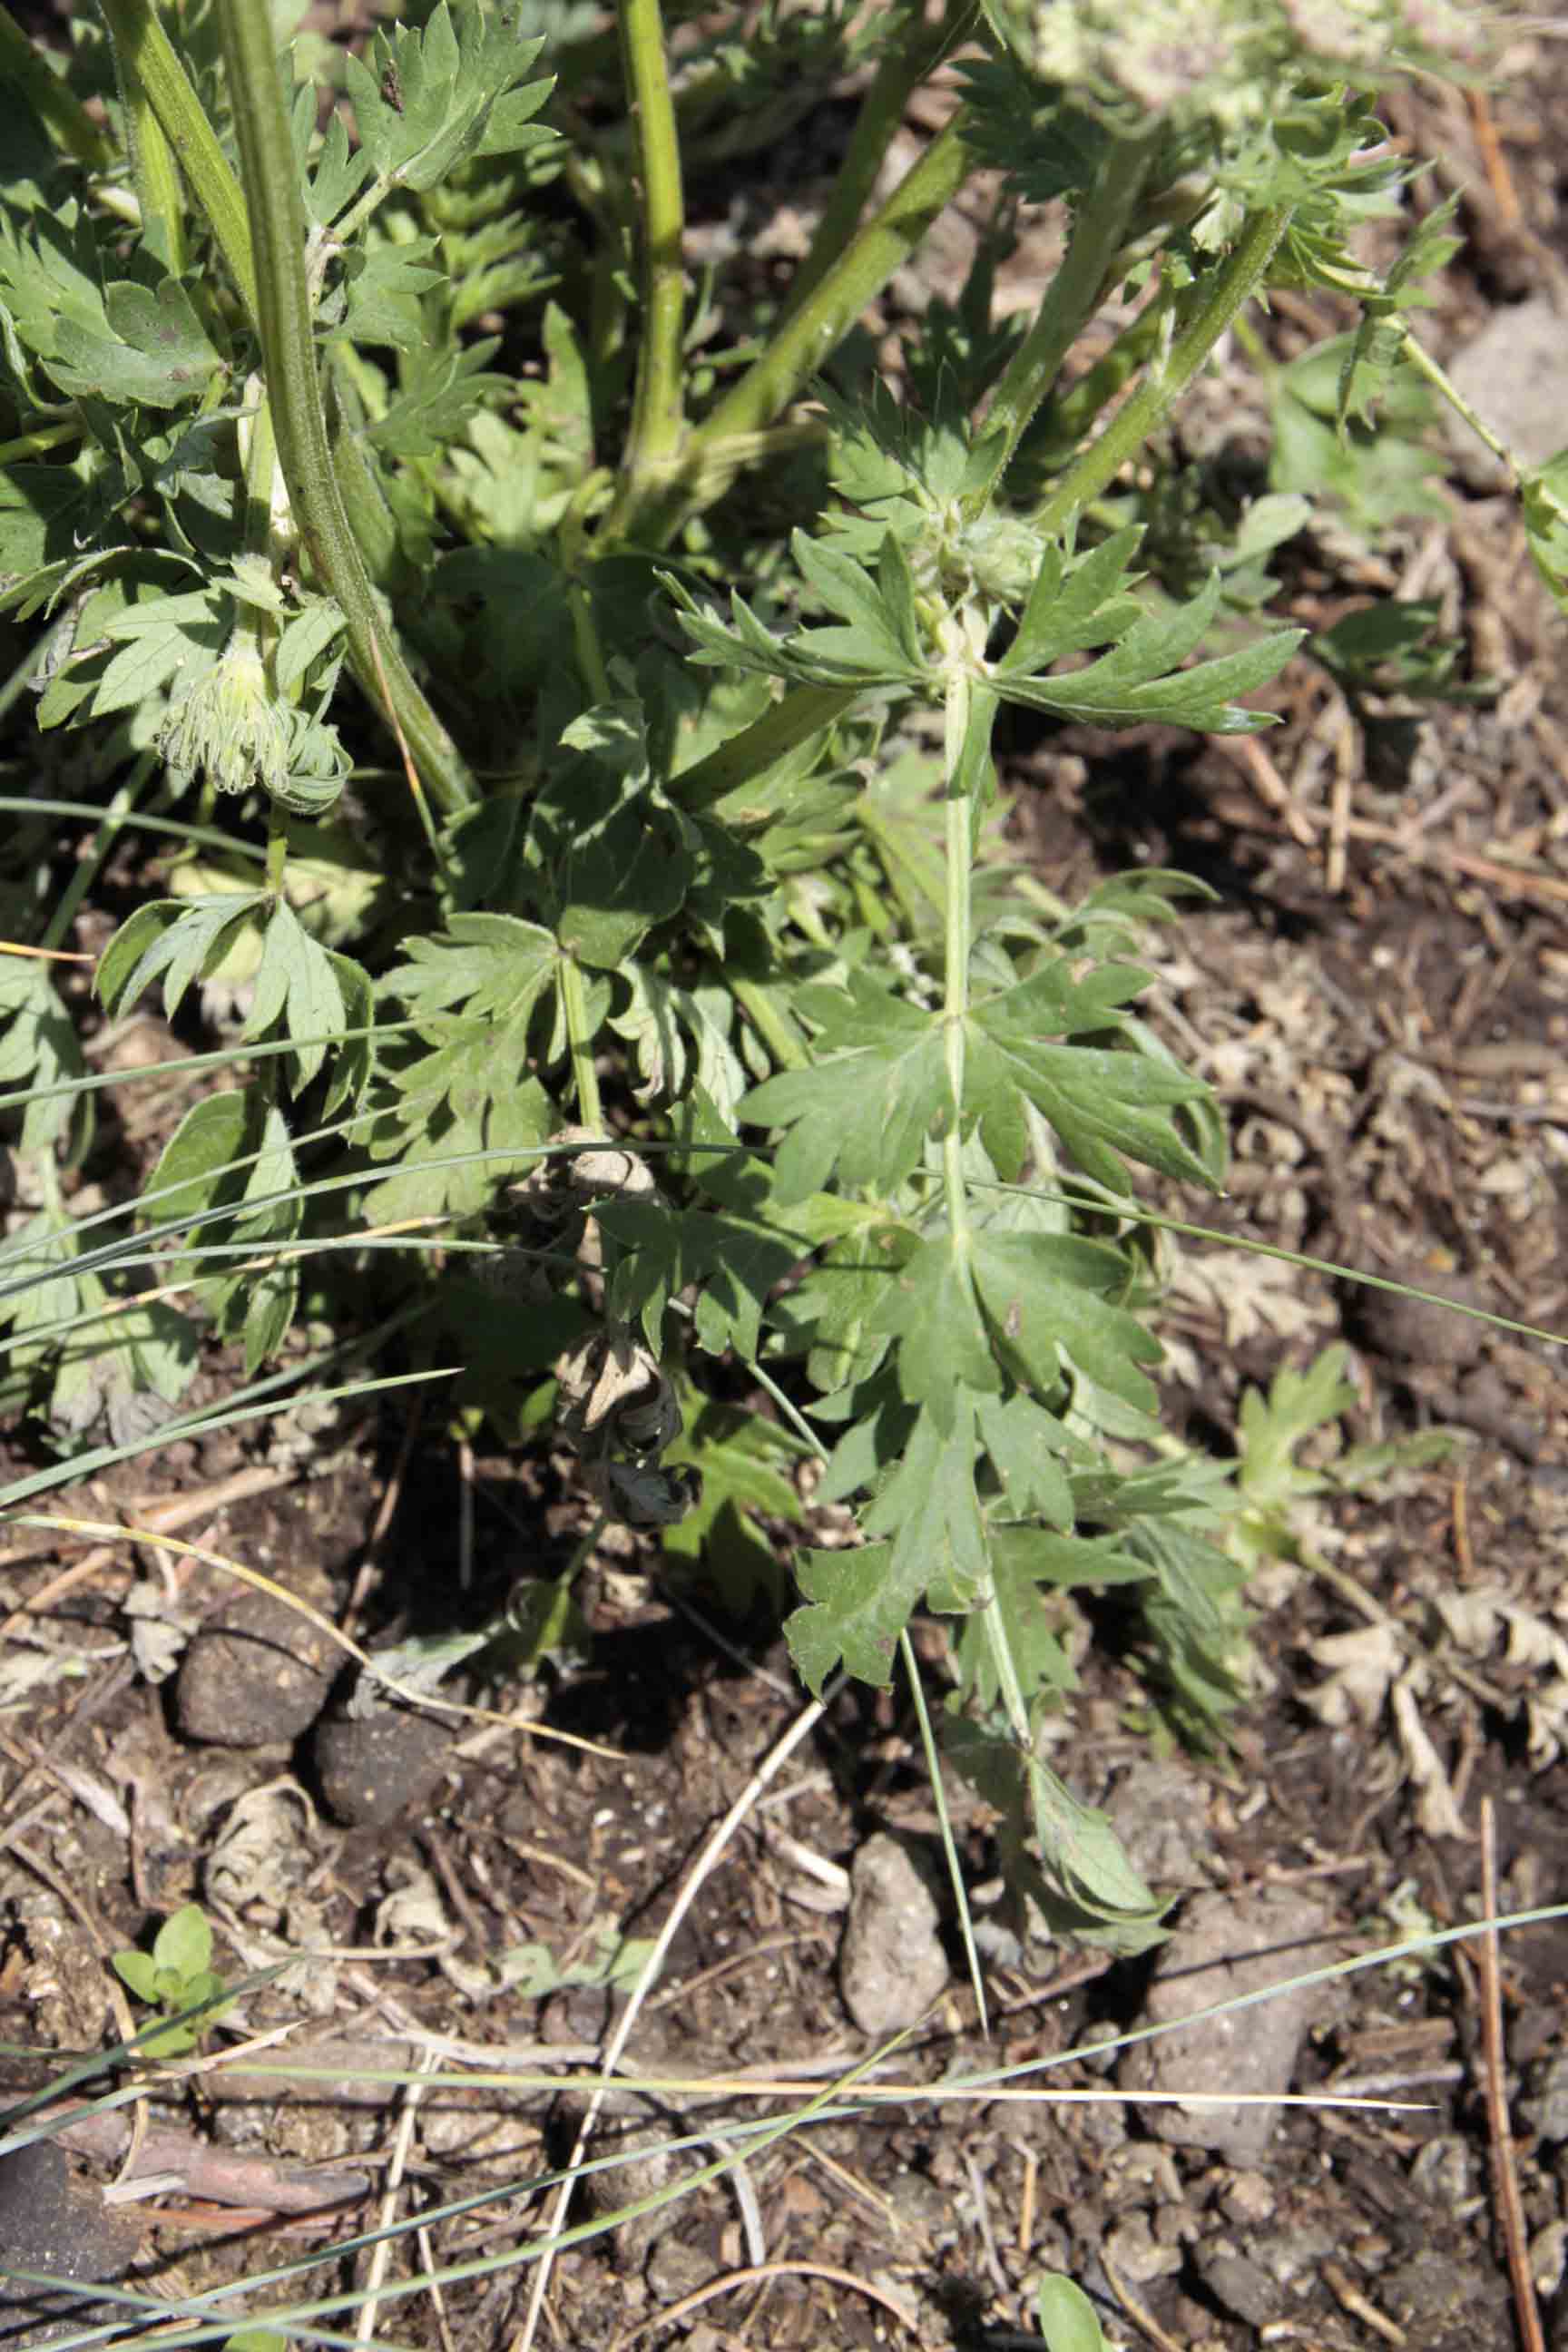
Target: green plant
x: 431, y: 415
x: 1068, y: 2319
x: 176, y: 1977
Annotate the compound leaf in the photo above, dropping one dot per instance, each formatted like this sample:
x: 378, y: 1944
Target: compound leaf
x: 866, y: 1107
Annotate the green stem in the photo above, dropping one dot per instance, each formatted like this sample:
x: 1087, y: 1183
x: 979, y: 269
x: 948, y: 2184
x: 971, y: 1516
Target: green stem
x: 1074, y: 410
x: 658, y: 413
x: 146, y: 58
x: 1098, y: 233
x: 153, y: 171
x: 1234, y: 283
x: 785, y: 725
x: 774, y: 1026
x: 574, y: 1009
x: 969, y: 716
x: 91, y: 861
x: 1419, y: 357
x: 289, y: 356
x: 793, y: 356
x: 39, y: 443
x: 56, y: 106
x: 586, y: 637
x: 912, y: 57
x: 277, y: 849
x: 959, y: 714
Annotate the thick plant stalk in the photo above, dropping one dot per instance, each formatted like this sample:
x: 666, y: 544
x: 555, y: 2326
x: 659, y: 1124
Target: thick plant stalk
x: 1099, y: 231
x: 289, y: 360
x: 658, y: 407
x: 910, y: 61
x: 147, y: 62
x: 1234, y: 283
x: 815, y: 329
x: 970, y: 715
x: 585, y: 1078
x: 153, y: 171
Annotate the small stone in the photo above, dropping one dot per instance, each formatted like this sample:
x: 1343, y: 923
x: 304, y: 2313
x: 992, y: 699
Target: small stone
x: 1242, y: 2287
x: 644, y: 2163
x: 891, y: 1964
x: 1417, y: 1330
x: 1160, y: 1811
x: 1430, y: 2291
x: 1546, y: 2108
x: 257, y: 1673
x: 1442, y: 2171
x: 1224, y: 1948
x: 1549, y: 2257
x: 49, y: 2223
x: 1247, y: 2197
x: 1136, y: 2255
x: 676, y: 2270
x: 375, y: 1768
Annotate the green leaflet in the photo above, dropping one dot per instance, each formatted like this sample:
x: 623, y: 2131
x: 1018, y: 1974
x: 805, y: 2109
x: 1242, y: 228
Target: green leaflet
x: 428, y: 98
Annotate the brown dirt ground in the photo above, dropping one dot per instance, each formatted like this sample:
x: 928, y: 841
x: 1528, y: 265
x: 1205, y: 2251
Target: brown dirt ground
x: 1381, y: 999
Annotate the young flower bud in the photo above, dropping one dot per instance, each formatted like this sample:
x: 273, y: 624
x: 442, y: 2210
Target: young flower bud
x: 229, y: 726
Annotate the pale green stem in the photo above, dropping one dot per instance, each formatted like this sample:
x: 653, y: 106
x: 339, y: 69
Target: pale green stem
x: 908, y: 60
x: 657, y: 410
x: 816, y: 329
x: 56, y: 106
x: 1076, y: 408
x: 936, y: 1780
x: 288, y: 346
x: 957, y: 943
x: 968, y: 721
x: 153, y: 171
x: 89, y: 863
x: 39, y: 443
x: 1423, y: 359
x: 1099, y: 232
x: 586, y: 637
x: 574, y: 1009
x: 144, y: 52
x: 773, y: 1026
x: 1234, y: 283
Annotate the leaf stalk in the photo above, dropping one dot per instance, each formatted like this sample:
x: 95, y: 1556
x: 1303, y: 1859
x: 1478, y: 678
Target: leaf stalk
x: 658, y: 421
x: 1099, y: 233
x: 288, y: 344
x: 147, y: 61
x: 818, y: 328
x: 1237, y: 280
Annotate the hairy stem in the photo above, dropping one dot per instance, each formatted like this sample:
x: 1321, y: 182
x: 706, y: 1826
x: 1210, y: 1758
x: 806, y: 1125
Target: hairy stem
x: 1074, y: 409
x: 908, y: 62
x: 1234, y: 283
x: 153, y: 171
x: 658, y: 410
x: 969, y: 714
x: 147, y: 61
x: 294, y: 391
x: 960, y: 718
x: 1099, y: 232
x: 815, y: 329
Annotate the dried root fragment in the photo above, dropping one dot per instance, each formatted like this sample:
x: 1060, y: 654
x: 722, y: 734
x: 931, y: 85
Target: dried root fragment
x: 616, y: 1408
x: 614, y: 1399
